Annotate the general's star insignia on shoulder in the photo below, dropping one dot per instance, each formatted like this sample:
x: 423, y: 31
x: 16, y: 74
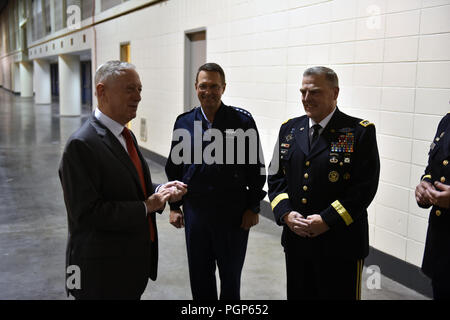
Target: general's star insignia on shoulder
x: 366, y: 123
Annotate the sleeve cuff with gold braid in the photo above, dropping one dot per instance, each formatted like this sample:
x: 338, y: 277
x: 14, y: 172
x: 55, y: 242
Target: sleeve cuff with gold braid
x: 278, y: 198
x: 336, y: 214
x: 280, y: 205
x: 427, y: 177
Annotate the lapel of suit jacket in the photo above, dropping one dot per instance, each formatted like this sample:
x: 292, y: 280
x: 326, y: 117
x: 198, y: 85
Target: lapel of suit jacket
x: 117, y: 149
x: 325, y: 137
x: 302, y: 136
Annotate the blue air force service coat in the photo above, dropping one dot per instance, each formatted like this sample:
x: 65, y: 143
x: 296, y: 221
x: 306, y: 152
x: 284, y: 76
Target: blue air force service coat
x: 337, y: 178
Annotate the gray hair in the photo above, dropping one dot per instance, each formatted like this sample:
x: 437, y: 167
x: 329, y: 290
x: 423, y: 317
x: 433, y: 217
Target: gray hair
x: 111, y: 69
x: 329, y: 74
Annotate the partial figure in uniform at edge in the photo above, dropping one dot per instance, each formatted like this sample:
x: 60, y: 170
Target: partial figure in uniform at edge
x: 326, y: 178
x: 109, y: 195
x: 434, y: 191
x: 223, y: 200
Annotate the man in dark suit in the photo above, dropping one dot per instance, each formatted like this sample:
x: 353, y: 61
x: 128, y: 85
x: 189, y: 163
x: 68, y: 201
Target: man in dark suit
x: 434, y: 190
x: 225, y: 186
x: 109, y: 195
x: 323, y: 176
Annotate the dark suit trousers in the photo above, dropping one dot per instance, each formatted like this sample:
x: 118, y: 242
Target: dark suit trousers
x: 322, y: 278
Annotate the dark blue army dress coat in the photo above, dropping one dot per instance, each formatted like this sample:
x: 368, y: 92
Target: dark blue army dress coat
x: 436, y: 260
x: 337, y: 179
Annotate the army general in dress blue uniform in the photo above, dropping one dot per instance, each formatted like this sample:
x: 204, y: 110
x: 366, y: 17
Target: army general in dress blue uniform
x: 224, y: 186
x: 434, y: 190
x: 327, y: 176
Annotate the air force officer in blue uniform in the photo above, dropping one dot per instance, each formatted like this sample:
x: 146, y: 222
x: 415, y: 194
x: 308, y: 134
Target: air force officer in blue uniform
x: 223, y: 197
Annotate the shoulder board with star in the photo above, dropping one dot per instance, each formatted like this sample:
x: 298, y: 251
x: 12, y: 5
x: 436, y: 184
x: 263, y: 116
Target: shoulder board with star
x: 366, y: 123
x: 248, y: 114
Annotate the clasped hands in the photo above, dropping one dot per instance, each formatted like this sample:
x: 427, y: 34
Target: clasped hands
x: 249, y: 219
x: 171, y: 191
x: 437, y: 195
x: 309, y: 227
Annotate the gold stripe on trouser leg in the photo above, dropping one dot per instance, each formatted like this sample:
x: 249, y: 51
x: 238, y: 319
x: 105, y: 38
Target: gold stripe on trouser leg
x: 359, y: 269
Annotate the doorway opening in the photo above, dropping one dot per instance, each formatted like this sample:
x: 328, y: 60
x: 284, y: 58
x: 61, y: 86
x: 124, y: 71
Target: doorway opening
x: 194, y: 57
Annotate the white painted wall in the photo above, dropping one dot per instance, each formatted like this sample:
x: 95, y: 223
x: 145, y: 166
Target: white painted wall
x: 392, y: 58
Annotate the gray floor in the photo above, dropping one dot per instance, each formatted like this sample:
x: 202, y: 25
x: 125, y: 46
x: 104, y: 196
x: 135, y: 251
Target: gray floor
x: 33, y: 228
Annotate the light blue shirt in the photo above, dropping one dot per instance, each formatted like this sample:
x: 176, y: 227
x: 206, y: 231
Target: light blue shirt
x: 207, y: 121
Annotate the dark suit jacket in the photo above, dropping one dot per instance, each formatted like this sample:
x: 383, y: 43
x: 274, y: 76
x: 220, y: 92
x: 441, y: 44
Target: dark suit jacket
x: 108, y: 229
x: 337, y: 178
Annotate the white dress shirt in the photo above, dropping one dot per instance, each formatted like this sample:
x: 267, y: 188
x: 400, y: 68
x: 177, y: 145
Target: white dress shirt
x: 322, y: 123
x: 113, y: 126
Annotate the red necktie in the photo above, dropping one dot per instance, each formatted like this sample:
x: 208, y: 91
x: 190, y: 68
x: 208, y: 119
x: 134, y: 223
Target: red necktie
x: 137, y: 163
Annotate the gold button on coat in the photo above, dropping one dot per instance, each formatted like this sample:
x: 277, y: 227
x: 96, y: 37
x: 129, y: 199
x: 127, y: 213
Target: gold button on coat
x: 438, y: 212
x: 304, y: 201
x: 306, y: 176
x: 305, y: 188
x: 445, y: 162
x: 307, y: 163
x: 442, y: 179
